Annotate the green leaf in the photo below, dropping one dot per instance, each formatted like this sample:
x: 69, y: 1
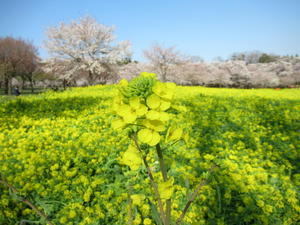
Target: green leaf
x: 155, y: 214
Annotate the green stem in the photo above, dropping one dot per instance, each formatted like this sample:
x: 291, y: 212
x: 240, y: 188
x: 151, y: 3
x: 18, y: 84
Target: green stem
x: 130, y: 208
x: 163, y: 169
x: 193, y: 197
x: 188, y: 204
x: 154, y: 185
x: 33, y: 207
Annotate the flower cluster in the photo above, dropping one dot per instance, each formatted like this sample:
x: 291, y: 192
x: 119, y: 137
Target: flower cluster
x: 60, y: 152
x: 143, y: 103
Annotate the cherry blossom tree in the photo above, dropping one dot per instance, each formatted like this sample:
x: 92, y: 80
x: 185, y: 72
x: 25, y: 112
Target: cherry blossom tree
x: 84, y: 47
x: 162, y: 59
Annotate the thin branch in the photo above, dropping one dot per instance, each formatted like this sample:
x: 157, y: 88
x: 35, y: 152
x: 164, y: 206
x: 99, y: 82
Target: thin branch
x: 154, y: 185
x: 163, y: 169
x: 192, y: 198
x: 130, y: 207
x: 27, y: 202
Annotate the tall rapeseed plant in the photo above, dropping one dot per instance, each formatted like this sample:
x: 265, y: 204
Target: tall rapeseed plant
x: 143, y: 111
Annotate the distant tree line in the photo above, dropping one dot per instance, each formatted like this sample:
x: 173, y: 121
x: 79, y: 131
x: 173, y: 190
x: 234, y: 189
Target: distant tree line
x: 18, y: 59
x: 241, y: 70
x: 84, y: 52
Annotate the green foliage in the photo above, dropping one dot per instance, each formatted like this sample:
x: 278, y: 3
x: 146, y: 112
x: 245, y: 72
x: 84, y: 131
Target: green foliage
x: 60, y: 152
x: 265, y: 58
x: 139, y: 87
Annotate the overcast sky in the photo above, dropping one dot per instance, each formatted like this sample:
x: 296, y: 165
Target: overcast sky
x: 202, y: 28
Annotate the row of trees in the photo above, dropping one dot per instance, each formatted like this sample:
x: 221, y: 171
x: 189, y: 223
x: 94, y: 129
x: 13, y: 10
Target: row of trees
x: 235, y: 74
x: 18, y: 58
x: 242, y: 70
x: 84, y: 52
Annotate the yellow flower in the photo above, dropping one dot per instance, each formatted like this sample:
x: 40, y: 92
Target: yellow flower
x: 149, y: 137
x: 71, y: 173
x: 260, y: 203
x: 166, y: 189
x: 268, y: 209
x: 125, y: 112
x: 157, y: 103
x: 130, y: 112
x: 173, y: 134
x: 63, y: 220
x: 147, y: 221
x: 87, y: 195
x: 156, y: 125
x: 132, y: 158
x: 146, y: 74
x: 164, y: 90
x: 156, y: 115
x: 153, y: 101
x: 137, y: 199
x: 118, y: 124
x: 123, y: 82
x: 137, y: 107
x: 72, y: 214
x: 145, y: 209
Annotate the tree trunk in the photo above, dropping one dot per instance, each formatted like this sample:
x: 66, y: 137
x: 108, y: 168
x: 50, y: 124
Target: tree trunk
x: 91, y: 78
x: 10, y: 85
x: 6, y: 85
x: 64, y: 84
x: 31, y: 85
x: 163, y: 73
x: 23, y: 84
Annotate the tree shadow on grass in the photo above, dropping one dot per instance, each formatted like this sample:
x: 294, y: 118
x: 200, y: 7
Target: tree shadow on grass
x: 38, y: 108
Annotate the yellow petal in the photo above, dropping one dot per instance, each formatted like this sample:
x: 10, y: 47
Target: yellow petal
x: 166, y: 189
x: 164, y: 105
x: 149, y: 137
x: 123, y: 82
x: 164, y: 116
x: 129, y: 117
x: 134, y: 102
x: 123, y: 110
x: 117, y: 124
x: 156, y: 115
x: 152, y: 115
x: 156, y: 125
x: 153, y: 101
x: 173, y: 134
x: 171, y: 86
x: 145, y: 135
x: 164, y: 90
x: 142, y: 110
x: 131, y: 158
x: 155, y: 138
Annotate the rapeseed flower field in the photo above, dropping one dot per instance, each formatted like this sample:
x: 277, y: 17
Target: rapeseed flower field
x: 68, y: 154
